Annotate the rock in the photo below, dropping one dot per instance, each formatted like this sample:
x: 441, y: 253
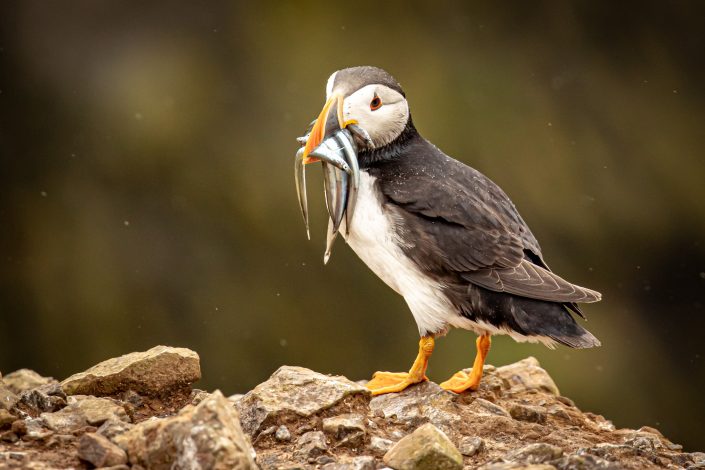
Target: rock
x: 32, y: 429
x: 82, y: 411
x: 357, y: 463
x: 293, y: 391
x: 9, y: 436
x: 527, y: 374
x: 380, y: 446
x: 44, y: 398
x: 157, y: 371
x: 305, y: 420
x: 207, y: 435
x: 486, y: 407
x: 25, y: 379
x: 60, y: 440
x: 427, y: 448
x: 425, y: 402
x: 535, y: 453
x: 197, y: 396
x: 236, y: 397
x: 584, y: 462
x: 517, y: 466
x: 114, y: 427
x: 282, y: 433
x: 8, y: 399
x: 6, y: 418
x: 99, y: 451
x: 348, y: 429
x: 310, y: 445
x: 532, y: 414
x: 471, y: 445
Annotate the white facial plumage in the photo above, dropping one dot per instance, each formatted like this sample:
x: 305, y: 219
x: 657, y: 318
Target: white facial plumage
x: 384, y: 122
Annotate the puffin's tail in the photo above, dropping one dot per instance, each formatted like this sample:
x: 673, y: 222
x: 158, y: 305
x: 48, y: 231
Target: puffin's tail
x: 550, y: 320
x: 541, y: 320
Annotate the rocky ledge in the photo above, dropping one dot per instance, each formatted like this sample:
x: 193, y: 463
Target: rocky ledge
x: 139, y: 411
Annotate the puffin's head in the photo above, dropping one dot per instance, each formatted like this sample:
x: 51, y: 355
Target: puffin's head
x: 366, y: 96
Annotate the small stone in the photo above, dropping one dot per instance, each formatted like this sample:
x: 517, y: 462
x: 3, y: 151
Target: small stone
x: 60, y: 439
x: 583, y: 462
x: 282, y: 434
x: 133, y: 398
x: 516, y: 466
x: 323, y: 460
x: 113, y: 427
x: 99, y: 451
x: 208, y: 434
x: 427, y: 448
x: 197, y: 396
x: 8, y: 399
x: 559, y: 412
x: 25, y: 379
x: 527, y: 374
x: 293, y: 390
x: 34, y: 430
x: 44, y: 398
x: 644, y: 441
x: 311, y: 445
x: 535, y: 453
x: 532, y: 414
x: 471, y: 445
x: 482, y: 406
x: 380, y: 446
x: 82, y: 411
x: 364, y: 462
x: 6, y: 418
x: 349, y: 429
x: 152, y: 372
x: 566, y: 401
x: 9, y: 436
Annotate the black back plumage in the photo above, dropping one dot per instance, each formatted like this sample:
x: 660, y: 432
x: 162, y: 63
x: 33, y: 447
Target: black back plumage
x: 462, y: 229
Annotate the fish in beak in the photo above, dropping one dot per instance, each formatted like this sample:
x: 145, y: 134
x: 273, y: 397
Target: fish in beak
x: 333, y: 142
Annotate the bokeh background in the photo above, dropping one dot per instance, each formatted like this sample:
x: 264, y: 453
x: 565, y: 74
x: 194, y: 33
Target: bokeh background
x: 147, y: 184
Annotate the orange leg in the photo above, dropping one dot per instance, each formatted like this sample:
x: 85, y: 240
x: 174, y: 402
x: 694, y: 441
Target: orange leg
x: 390, y: 382
x: 462, y: 381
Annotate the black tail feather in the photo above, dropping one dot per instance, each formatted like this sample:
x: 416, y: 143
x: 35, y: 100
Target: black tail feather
x: 528, y: 317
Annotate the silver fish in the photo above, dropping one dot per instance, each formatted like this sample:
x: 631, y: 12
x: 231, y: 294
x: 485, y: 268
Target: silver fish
x: 341, y: 179
x: 361, y: 136
x: 329, y: 151
x: 335, y: 183
x: 331, y: 235
x: 300, y: 176
x: 346, y: 141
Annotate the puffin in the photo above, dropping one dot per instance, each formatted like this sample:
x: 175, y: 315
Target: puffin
x: 442, y: 235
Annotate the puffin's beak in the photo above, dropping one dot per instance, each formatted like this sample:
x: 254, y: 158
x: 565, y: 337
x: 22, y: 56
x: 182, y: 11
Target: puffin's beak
x: 329, y: 121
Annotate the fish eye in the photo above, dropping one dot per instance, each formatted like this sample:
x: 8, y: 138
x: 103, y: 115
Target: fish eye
x: 376, y: 103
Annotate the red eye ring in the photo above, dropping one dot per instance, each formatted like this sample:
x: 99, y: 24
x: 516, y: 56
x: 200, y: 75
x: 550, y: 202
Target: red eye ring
x: 376, y: 103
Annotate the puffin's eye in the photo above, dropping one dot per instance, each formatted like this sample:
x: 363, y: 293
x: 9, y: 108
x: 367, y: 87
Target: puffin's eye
x: 376, y: 103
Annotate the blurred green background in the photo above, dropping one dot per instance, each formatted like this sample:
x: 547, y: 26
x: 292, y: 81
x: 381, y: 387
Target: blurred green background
x: 148, y: 198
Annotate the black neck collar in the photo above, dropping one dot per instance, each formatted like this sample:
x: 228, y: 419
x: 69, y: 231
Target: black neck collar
x: 391, y: 151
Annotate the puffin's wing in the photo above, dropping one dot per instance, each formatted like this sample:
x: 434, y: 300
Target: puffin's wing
x: 459, y: 220
x: 530, y: 280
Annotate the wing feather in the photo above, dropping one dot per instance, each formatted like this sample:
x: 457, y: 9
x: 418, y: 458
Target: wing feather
x: 453, y: 218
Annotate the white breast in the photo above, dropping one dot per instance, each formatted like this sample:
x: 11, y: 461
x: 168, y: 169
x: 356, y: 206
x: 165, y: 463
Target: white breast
x: 374, y: 240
